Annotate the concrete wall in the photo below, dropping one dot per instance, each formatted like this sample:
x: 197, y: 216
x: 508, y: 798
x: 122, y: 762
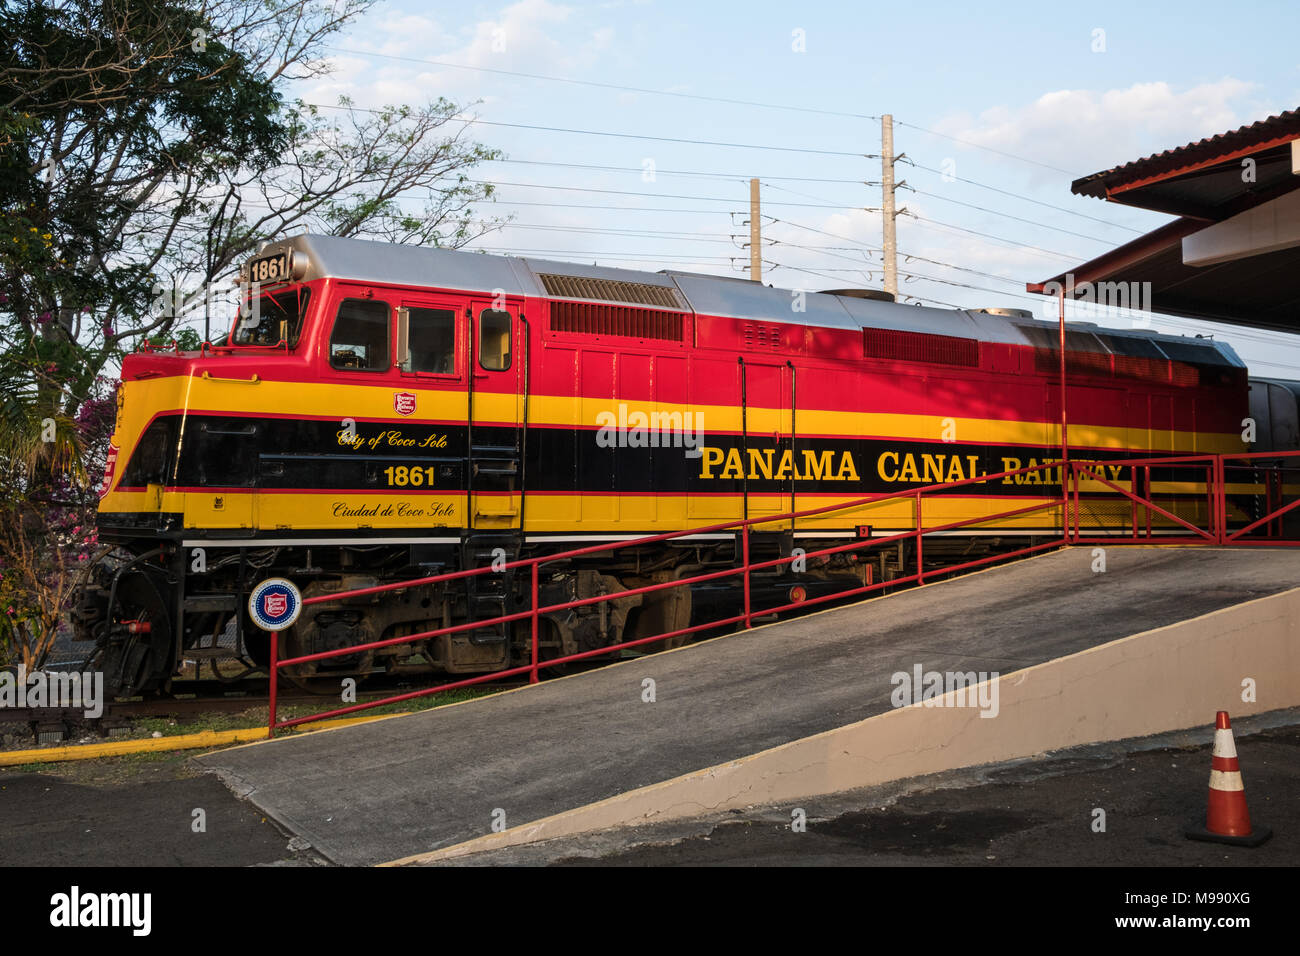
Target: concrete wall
x: 1172, y: 678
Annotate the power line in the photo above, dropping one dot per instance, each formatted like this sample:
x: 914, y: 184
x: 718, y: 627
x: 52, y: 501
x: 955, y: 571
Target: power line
x: 778, y: 265
x: 919, y: 298
x: 628, y: 192
x: 561, y: 205
x: 867, y: 264
x: 595, y: 132
x: 690, y: 96
x: 637, y: 233
x: 609, y: 86
x: 679, y: 172
x: 985, y: 235
x: 1020, y: 196
x: 823, y: 232
x: 1005, y: 215
x: 796, y: 192
x: 589, y: 254
x: 990, y: 149
x: 706, y: 143
x: 984, y: 209
x: 668, y: 139
x: 908, y: 257
x: 965, y: 285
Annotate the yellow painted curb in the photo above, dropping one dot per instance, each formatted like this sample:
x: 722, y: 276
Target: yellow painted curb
x: 203, y: 739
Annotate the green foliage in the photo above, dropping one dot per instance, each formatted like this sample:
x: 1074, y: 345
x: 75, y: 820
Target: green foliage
x: 133, y: 138
x: 105, y: 104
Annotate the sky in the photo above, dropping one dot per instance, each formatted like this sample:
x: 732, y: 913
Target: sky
x: 996, y: 111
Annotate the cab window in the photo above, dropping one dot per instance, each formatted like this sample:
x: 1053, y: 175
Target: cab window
x: 432, y: 341
x: 272, y: 317
x: 360, y: 337
x: 152, y: 455
x: 494, y: 340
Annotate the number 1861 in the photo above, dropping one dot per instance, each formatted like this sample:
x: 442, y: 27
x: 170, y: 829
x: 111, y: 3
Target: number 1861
x: 402, y: 476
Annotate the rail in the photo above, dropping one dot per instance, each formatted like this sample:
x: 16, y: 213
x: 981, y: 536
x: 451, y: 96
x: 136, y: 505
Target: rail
x: 1154, y: 497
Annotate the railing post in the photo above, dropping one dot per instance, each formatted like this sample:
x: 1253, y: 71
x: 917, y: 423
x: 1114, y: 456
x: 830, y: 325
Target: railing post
x: 1221, y: 496
x: 536, y: 621
x: 1074, y: 520
x: 275, y: 673
x: 744, y: 557
x: 1146, y: 495
x: 920, y: 574
x: 1212, y: 500
x: 1133, y: 487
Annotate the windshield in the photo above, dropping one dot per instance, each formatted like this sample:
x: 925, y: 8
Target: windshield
x: 262, y: 325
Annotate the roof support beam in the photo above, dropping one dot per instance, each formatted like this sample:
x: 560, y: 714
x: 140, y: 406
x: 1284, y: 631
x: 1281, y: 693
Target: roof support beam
x: 1267, y: 228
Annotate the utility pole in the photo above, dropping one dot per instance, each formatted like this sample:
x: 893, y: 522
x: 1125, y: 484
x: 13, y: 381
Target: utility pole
x: 755, y: 234
x: 887, y: 205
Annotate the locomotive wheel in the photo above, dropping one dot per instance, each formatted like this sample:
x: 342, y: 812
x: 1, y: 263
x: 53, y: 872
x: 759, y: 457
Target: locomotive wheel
x: 309, y: 677
x: 550, y: 645
x: 138, y: 663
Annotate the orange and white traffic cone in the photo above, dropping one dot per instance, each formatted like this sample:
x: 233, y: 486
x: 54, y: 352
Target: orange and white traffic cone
x: 1227, y: 820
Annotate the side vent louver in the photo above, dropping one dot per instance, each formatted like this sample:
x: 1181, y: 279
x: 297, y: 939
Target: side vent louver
x: 584, y: 318
x: 609, y: 290
x: 759, y: 337
x: 920, y: 347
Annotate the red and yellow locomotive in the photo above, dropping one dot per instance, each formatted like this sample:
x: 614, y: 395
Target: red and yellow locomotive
x: 386, y: 412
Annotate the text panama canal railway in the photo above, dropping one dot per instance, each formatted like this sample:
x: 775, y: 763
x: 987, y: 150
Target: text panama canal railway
x: 388, y: 412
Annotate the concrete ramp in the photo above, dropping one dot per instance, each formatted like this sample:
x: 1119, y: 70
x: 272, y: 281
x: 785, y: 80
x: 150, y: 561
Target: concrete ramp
x: 396, y: 788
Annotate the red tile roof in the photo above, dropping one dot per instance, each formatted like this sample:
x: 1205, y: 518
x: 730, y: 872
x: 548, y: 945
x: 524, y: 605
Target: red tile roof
x: 1263, y: 134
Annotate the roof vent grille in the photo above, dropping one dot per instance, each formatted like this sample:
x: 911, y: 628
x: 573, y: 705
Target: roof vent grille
x: 609, y: 290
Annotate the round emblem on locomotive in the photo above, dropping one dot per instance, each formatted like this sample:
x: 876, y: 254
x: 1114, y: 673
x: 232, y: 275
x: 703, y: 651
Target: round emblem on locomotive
x: 275, y: 604
x: 404, y: 402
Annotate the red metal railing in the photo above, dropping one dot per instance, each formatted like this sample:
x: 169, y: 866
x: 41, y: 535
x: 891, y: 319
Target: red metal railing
x: 1085, y: 485
x: 1141, y: 498
x: 745, y: 570
x: 1270, y: 469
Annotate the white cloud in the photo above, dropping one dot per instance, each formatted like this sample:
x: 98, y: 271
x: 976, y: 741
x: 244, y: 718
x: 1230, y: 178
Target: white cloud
x: 1086, y: 130
x: 529, y: 36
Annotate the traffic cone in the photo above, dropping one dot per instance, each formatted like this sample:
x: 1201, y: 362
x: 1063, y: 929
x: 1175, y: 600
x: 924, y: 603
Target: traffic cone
x: 1227, y: 820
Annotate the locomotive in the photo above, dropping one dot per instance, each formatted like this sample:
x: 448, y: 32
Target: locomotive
x: 386, y: 412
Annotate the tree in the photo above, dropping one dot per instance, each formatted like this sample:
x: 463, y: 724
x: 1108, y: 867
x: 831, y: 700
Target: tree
x: 149, y: 147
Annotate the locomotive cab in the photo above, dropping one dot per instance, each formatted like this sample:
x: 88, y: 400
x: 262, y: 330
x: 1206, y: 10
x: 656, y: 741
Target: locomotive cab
x: 370, y: 421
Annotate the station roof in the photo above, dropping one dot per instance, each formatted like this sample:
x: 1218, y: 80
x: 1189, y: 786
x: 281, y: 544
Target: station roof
x: 1206, y: 183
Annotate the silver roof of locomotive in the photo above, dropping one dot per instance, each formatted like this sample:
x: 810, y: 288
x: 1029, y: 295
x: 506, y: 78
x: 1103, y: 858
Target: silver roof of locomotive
x: 724, y: 296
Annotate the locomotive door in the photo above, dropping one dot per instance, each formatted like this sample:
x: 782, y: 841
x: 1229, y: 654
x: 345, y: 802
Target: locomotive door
x: 432, y: 375
x: 767, y: 413
x: 494, y: 452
